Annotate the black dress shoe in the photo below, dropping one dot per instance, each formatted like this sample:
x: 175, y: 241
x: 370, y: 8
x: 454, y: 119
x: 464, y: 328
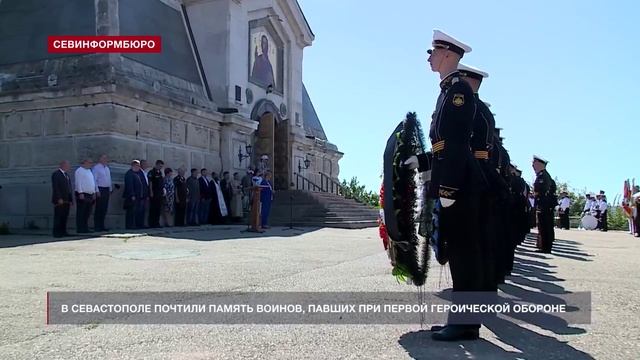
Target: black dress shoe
x: 437, y: 327
x: 456, y: 333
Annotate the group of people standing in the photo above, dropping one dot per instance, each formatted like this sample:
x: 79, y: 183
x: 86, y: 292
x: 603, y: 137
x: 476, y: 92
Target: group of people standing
x: 597, y: 207
x: 91, y: 186
x: 200, y: 199
x: 153, y: 197
x: 481, y: 206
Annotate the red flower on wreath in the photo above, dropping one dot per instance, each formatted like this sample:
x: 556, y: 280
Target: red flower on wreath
x: 381, y: 227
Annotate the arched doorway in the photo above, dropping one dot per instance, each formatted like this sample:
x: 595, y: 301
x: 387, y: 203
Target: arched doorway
x: 271, y: 143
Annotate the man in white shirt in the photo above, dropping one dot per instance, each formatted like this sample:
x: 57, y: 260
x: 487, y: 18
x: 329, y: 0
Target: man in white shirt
x: 144, y: 174
x: 563, y: 209
x: 102, y: 175
x: 588, y: 205
x: 85, y: 195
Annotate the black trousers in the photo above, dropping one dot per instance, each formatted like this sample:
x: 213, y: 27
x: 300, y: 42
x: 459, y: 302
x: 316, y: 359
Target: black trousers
x: 518, y: 223
x: 102, y: 205
x: 180, y: 212
x: 134, y: 215
x: 140, y: 211
x: 603, y: 221
x: 564, y: 220
x: 488, y: 244
x: 546, y: 232
x: 83, y: 212
x: 155, y: 209
x: 532, y: 218
x: 60, y: 216
x: 501, y: 241
x: 459, y: 227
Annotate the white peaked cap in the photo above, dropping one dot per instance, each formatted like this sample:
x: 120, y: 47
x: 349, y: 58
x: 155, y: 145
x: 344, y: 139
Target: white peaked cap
x: 453, y: 44
x: 470, y: 70
x: 541, y: 159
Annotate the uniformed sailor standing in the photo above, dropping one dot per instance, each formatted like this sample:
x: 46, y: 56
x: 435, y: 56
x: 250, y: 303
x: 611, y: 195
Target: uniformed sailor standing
x: 588, y: 204
x: 500, y: 161
x: 481, y: 146
x: 563, y: 210
x: 602, y: 211
x: 544, y: 189
x: 453, y: 178
x: 518, y: 215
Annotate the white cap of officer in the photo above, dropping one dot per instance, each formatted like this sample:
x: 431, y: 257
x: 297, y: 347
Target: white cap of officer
x: 442, y: 40
x: 472, y: 72
x: 539, y: 159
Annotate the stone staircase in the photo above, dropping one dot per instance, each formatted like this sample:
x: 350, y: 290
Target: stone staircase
x: 320, y: 209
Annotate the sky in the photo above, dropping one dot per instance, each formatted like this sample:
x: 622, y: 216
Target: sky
x: 562, y: 79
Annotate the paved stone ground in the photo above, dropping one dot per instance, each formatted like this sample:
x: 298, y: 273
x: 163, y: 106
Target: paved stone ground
x: 223, y: 259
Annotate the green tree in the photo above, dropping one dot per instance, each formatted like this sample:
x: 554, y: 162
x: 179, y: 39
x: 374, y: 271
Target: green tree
x: 354, y: 190
x: 616, y: 219
x: 576, y: 196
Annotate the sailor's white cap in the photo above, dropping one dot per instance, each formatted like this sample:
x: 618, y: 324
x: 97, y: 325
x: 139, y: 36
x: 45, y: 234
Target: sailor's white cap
x: 472, y: 72
x: 540, y: 159
x: 443, y: 40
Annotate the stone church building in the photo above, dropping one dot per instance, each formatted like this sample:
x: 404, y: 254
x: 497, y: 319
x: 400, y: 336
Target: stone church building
x: 229, y: 75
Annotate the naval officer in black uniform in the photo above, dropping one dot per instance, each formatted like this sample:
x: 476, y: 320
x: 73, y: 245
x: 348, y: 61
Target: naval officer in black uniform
x: 481, y: 146
x: 544, y: 190
x: 455, y: 178
x: 500, y: 160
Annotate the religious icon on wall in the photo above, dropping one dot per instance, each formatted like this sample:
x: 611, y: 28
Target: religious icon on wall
x: 265, y: 56
x: 262, y: 70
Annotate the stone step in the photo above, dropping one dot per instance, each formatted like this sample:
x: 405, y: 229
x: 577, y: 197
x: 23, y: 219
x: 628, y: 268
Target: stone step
x: 331, y: 224
x: 319, y: 218
x: 320, y: 209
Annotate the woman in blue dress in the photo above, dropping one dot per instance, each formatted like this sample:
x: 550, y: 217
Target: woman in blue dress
x: 266, y: 197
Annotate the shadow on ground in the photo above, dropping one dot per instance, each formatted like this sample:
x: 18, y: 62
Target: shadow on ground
x: 521, y: 343
x: 198, y: 233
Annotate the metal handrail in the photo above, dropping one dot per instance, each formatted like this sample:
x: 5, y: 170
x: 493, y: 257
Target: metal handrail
x: 332, y: 186
x: 304, y: 180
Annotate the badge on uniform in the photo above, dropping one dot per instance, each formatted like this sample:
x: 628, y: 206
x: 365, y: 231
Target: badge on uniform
x: 458, y: 99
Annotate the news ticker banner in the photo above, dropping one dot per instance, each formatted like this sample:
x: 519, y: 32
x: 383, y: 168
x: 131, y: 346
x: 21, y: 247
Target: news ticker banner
x: 313, y: 308
x: 65, y: 44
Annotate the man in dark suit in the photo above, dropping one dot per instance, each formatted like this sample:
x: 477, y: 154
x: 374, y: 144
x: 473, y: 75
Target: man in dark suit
x: 205, y: 197
x: 182, y: 192
x: 61, y: 198
x: 134, y: 196
x: 156, y: 194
